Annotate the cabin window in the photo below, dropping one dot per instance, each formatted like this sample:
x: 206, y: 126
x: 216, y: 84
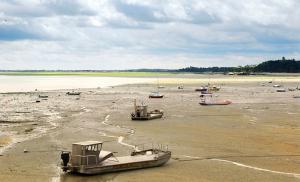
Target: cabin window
x: 92, y: 148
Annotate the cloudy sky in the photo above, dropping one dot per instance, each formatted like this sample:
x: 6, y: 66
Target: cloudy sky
x: 122, y: 34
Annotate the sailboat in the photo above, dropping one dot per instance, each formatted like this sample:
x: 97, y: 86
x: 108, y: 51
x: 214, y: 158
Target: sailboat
x: 156, y: 95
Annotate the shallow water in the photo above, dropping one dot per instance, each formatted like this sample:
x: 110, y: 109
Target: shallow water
x: 30, y: 83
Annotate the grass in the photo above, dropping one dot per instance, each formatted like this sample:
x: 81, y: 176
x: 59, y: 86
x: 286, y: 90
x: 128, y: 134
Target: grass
x: 102, y: 74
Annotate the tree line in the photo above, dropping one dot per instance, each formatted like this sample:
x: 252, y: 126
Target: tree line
x: 272, y: 66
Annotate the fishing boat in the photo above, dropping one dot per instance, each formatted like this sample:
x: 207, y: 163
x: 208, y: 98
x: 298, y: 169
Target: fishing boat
x: 43, y: 96
x: 296, y: 96
x: 155, y: 95
x: 141, y: 113
x: 73, y: 93
x: 88, y: 158
x: 210, y: 103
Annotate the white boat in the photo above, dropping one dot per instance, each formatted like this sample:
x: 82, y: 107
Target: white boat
x: 155, y: 95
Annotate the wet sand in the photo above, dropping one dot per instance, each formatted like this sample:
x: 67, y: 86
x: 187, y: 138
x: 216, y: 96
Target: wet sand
x: 254, y: 139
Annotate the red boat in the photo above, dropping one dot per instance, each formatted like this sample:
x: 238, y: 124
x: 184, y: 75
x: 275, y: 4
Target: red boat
x: 205, y: 103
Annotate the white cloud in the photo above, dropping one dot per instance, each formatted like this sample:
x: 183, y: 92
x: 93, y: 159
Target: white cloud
x: 109, y: 34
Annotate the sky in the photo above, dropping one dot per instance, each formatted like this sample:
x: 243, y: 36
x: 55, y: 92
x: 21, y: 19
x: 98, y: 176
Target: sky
x: 130, y: 34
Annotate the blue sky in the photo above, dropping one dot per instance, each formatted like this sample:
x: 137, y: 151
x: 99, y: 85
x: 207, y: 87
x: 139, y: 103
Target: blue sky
x: 125, y: 34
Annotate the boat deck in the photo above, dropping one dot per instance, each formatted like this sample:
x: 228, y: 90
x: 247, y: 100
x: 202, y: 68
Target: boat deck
x: 128, y: 159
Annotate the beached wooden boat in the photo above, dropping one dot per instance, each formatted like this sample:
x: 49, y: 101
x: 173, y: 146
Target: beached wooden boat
x: 141, y: 113
x: 210, y: 103
x: 89, y: 158
x: 73, y: 93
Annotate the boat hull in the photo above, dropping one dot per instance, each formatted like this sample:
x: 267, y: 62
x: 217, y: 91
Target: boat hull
x: 215, y: 103
x: 150, y: 117
x: 156, y: 97
x: 101, y: 169
x: 200, y: 89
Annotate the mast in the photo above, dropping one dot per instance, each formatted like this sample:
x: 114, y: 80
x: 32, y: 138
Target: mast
x: 134, y: 105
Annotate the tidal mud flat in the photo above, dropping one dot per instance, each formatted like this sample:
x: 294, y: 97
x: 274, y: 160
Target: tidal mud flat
x: 254, y: 139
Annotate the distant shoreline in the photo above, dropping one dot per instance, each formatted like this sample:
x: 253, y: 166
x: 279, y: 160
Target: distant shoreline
x: 127, y: 73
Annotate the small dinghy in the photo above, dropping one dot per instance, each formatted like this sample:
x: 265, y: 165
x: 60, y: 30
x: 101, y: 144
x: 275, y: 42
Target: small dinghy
x: 281, y: 90
x: 156, y: 95
x: 89, y: 158
x: 211, y: 103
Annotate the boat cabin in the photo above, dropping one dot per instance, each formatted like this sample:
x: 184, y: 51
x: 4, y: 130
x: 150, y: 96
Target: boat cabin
x: 88, y: 153
x: 141, y: 111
